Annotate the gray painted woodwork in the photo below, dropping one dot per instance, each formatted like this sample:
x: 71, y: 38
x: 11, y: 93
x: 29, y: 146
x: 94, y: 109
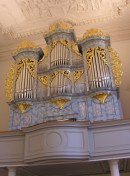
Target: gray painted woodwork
x: 66, y: 141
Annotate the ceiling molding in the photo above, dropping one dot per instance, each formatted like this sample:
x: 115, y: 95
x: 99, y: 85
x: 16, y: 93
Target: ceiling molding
x: 21, y: 19
x: 24, y: 18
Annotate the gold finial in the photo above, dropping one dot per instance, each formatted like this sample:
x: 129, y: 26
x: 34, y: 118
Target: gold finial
x: 26, y: 44
x: 59, y: 25
x: 93, y: 32
x: 101, y: 96
x: 60, y: 102
x: 22, y: 106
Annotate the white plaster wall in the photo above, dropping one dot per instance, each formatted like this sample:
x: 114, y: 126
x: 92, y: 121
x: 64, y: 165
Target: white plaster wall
x: 123, y: 50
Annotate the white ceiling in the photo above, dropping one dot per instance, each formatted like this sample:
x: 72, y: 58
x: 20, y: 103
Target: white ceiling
x: 29, y: 19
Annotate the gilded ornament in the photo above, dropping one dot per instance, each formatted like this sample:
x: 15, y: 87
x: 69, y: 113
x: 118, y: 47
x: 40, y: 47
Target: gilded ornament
x: 30, y: 64
x: 74, y: 49
x: 60, y: 102
x: 45, y: 50
x: 62, y: 41
x: 26, y: 44
x: 62, y: 25
x: 64, y: 72
x: 116, y: 66
x: 90, y: 55
x: 101, y: 96
x: 101, y: 52
x: 43, y: 79
x: 22, y: 106
x: 77, y: 74
x: 53, y: 75
x: 93, y: 32
x: 9, y: 83
x: 19, y: 68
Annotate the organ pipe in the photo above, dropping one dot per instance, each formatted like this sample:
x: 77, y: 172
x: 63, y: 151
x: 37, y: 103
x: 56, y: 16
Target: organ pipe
x: 99, y: 73
x: 24, y: 84
x: 59, y: 55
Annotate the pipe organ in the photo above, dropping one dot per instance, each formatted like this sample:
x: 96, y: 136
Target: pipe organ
x: 53, y: 83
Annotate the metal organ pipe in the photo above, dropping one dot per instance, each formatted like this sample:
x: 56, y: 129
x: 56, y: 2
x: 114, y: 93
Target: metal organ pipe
x: 99, y: 74
x: 91, y: 76
x: 103, y: 73
x: 99, y: 78
x: 95, y: 72
x: 24, y: 84
x: 63, y: 54
x: 61, y: 58
x: 57, y: 54
x: 20, y: 94
x: 27, y: 85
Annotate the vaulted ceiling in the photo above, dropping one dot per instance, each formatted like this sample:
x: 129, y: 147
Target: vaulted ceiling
x: 20, y: 19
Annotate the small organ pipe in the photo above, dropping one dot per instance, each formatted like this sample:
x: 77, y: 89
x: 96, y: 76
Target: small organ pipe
x: 95, y: 72
x: 63, y: 55
x: 97, y: 67
x: 103, y: 73
x: 100, y: 70
x: 25, y: 84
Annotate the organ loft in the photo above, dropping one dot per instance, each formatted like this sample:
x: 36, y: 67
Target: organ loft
x: 69, y: 79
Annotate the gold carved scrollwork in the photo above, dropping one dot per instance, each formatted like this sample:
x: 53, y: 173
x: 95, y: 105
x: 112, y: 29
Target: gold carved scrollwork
x: 60, y: 102
x: 64, y: 72
x: 53, y: 75
x: 9, y: 83
x: 62, y: 41
x: 89, y: 56
x: 45, y: 50
x: 74, y: 49
x: 19, y: 68
x: 77, y: 74
x: 101, y: 96
x: 116, y: 66
x: 30, y: 64
x: 99, y: 51
x: 43, y: 79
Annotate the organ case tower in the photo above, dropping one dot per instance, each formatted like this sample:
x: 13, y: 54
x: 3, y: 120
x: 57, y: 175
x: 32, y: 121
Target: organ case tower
x: 69, y: 79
